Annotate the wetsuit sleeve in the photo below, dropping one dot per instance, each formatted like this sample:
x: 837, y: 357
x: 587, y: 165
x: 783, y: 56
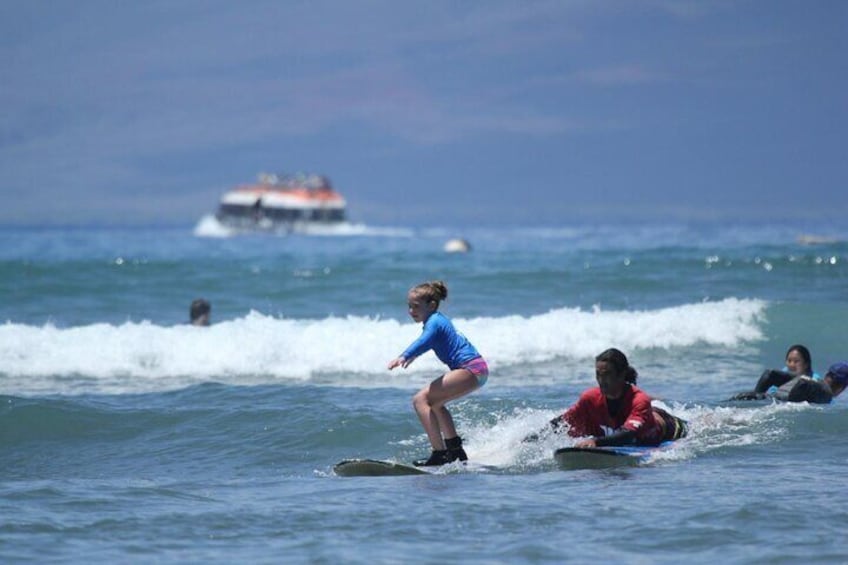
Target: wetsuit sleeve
x: 622, y: 437
x: 557, y: 423
x: 772, y: 377
x: 749, y: 395
x: 808, y: 390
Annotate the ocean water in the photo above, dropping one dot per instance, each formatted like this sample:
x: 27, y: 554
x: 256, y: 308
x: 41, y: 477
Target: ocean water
x: 129, y: 436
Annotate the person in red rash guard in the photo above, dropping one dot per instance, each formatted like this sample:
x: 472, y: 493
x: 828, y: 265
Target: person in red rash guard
x: 617, y: 412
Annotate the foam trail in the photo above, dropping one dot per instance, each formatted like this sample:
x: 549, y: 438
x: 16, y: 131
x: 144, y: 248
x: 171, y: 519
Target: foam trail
x: 711, y: 428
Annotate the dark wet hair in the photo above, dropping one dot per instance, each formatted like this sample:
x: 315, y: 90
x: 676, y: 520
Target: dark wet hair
x: 804, y: 353
x: 198, y: 308
x: 618, y: 360
x: 431, y: 291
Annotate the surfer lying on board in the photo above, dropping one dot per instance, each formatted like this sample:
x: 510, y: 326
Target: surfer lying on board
x: 617, y: 412
x: 468, y: 371
x: 799, y: 388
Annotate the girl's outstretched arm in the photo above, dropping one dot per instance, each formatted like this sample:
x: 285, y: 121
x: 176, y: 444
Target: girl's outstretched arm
x: 400, y: 362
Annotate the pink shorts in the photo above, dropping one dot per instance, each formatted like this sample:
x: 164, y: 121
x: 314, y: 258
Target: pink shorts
x: 478, y: 368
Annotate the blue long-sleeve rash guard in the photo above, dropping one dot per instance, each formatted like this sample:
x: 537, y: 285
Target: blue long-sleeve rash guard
x: 451, y: 347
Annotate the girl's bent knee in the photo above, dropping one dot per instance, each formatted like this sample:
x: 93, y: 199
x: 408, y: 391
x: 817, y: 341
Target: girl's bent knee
x: 420, y: 398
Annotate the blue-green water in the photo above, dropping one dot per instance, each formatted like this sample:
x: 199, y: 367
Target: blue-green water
x: 129, y: 436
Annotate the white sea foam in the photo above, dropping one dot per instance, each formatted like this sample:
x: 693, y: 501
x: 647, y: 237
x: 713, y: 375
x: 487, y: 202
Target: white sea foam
x: 341, y: 351
x: 209, y: 226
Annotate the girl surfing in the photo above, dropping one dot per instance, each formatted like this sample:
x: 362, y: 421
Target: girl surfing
x: 467, y: 372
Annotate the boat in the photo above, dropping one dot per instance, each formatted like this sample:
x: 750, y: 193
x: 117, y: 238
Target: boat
x: 280, y: 202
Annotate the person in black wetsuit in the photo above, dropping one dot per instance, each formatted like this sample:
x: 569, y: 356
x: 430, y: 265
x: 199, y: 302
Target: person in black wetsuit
x: 799, y: 388
x: 199, y: 312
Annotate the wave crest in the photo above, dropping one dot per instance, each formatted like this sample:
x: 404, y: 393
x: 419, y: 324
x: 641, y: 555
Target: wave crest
x: 255, y: 349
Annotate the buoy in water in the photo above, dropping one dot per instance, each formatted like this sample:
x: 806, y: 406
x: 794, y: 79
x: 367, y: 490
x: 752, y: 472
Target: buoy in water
x: 457, y: 245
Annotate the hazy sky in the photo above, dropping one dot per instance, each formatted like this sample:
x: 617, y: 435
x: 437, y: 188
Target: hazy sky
x: 431, y: 112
